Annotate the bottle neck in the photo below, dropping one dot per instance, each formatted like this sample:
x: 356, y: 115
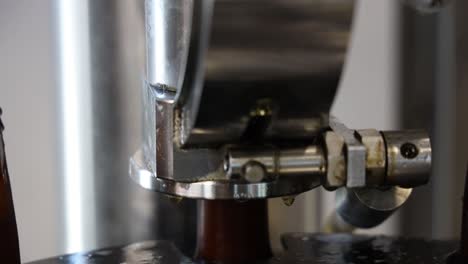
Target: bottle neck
x: 232, y: 231
x: 9, y: 244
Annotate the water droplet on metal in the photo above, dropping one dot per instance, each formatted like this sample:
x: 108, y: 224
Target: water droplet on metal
x: 175, y: 199
x: 288, y: 200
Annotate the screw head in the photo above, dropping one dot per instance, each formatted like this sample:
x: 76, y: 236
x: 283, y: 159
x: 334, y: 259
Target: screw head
x: 409, y: 150
x: 254, y: 172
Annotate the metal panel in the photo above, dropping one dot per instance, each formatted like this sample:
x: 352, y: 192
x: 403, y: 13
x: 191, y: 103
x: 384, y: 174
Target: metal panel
x: 101, y: 61
x: 281, y: 50
x: 433, y: 94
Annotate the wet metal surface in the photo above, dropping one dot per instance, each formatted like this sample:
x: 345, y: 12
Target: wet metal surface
x: 343, y: 248
x: 300, y: 248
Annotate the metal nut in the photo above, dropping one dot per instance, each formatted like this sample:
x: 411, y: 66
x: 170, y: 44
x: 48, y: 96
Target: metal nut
x: 375, y: 156
x: 336, y: 164
x: 355, y: 154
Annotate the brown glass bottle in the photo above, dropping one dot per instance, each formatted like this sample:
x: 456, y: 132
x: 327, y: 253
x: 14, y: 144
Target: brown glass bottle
x: 9, y: 245
x: 233, y: 232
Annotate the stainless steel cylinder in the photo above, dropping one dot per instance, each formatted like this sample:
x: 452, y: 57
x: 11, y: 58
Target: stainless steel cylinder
x: 369, y: 207
x: 409, y: 157
x: 168, y: 28
x: 308, y: 161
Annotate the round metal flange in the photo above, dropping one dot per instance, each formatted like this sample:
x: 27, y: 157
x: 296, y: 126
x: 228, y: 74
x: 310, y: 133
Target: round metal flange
x: 369, y: 207
x: 284, y: 186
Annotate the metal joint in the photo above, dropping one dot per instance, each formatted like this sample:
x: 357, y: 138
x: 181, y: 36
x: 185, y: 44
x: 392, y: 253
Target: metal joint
x: 355, y: 154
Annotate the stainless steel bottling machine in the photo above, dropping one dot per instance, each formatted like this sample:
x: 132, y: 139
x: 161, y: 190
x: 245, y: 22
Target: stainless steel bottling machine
x: 236, y: 107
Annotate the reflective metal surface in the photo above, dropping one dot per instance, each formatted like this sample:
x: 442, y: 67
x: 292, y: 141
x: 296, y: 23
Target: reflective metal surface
x: 355, y: 154
x: 283, y: 51
x: 210, y: 189
x: 299, y: 248
x: 167, y: 52
x: 262, y: 172
x: 236, y: 76
x: 409, y: 157
x: 100, y: 45
x: 369, y: 207
x: 307, y: 161
x: 222, y: 68
x: 253, y: 101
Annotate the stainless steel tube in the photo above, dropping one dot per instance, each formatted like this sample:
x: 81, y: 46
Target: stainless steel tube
x: 166, y: 51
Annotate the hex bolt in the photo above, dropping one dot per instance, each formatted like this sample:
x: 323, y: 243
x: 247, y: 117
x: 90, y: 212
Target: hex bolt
x: 254, y: 172
x: 409, y: 150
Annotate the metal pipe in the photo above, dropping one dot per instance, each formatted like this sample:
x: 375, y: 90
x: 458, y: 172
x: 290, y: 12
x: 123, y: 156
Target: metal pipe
x: 168, y: 29
x: 305, y: 161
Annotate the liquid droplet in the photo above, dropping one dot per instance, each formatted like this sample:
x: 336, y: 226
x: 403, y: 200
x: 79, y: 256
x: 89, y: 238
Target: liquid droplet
x: 175, y: 199
x: 288, y: 200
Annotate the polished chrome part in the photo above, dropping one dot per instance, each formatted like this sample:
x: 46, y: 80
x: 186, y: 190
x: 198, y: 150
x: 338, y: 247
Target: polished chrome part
x: 400, y: 158
x: 236, y: 159
x: 355, y: 154
x: 282, y: 50
x: 220, y: 173
x: 233, y: 53
x: 369, y: 207
x: 254, y: 172
x: 75, y: 122
x: 239, y: 111
x: 163, y: 157
x: 409, y: 157
x: 168, y: 28
x: 236, y: 172
x: 100, y: 50
x: 308, y: 161
x: 211, y: 189
x: 376, y: 160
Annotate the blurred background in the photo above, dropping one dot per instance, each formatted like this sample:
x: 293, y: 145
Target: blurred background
x: 404, y: 70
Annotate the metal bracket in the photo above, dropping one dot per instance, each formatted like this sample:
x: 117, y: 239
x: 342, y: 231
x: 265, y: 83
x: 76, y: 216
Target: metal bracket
x: 355, y: 154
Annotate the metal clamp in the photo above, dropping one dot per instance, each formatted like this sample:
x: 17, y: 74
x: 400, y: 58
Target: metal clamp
x: 355, y: 154
x: 376, y: 160
x: 345, y: 157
